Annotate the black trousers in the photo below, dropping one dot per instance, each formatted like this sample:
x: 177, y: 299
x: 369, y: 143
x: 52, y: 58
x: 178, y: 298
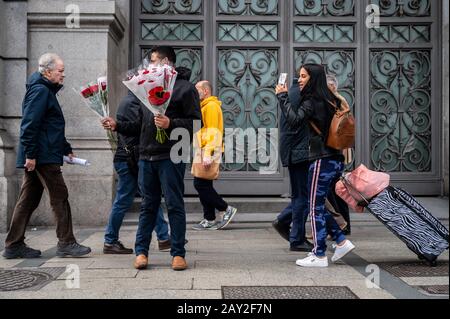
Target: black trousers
x: 209, y: 198
x: 339, y: 204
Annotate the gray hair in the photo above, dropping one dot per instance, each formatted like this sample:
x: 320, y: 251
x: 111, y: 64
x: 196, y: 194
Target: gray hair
x: 47, y: 62
x: 331, y: 79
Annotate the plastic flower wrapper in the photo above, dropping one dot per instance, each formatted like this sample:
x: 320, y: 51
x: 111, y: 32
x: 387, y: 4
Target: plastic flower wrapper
x: 153, y: 86
x: 95, y: 95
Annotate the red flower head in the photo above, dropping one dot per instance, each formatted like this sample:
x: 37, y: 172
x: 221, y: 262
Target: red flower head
x: 86, y: 93
x: 157, y: 96
x: 94, y: 88
x: 103, y: 86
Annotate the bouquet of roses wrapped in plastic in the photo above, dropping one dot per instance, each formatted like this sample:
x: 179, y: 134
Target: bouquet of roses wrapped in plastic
x: 95, y: 95
x: 153, y: 86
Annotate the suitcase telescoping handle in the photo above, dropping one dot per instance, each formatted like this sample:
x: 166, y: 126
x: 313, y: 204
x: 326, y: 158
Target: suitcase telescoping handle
x: 348, y: 185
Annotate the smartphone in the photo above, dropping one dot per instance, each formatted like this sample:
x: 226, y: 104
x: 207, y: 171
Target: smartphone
x: 282, y: 79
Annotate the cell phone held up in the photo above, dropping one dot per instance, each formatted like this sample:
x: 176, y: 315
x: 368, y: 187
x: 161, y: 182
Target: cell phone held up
x: 282, y: 79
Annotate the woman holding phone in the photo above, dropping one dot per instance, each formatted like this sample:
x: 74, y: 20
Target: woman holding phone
x: 317, y: 106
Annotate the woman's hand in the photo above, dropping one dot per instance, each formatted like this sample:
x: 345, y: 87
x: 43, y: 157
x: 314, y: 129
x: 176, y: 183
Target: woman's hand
x: 281, y: 89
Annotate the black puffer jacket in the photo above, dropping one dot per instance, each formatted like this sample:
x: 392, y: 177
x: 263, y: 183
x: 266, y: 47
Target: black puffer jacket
x: 294, y: 140
x: 128, y: 111
x: 321, y: 115
x: 184, y: 108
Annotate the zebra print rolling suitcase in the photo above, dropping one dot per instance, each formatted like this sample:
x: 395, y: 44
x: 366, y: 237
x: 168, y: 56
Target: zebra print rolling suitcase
x: 411, y: 222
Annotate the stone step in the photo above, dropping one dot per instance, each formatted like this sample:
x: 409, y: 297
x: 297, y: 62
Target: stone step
x: 243, y: 204
x: 265, y: 209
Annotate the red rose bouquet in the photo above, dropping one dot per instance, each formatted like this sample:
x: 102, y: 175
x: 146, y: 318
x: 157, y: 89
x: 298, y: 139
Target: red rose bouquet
x: 95, y: 95
x: 153, y: 86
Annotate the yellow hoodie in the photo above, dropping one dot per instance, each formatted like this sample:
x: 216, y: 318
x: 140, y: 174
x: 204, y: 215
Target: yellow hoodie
x: 211, y: 134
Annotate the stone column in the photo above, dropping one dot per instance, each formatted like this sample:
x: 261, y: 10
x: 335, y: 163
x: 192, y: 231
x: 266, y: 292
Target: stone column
x: 92, y: 50
x: 445, y: 97
x: 13, y: 73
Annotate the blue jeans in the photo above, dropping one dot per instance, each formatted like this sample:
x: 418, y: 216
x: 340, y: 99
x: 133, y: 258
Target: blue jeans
x: 297, y: 210
x: 125, y: 193
x: 322, y: 174
x: 157, y: 178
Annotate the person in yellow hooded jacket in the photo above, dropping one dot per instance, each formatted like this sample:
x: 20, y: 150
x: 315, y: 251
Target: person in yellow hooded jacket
x: 210, y: 141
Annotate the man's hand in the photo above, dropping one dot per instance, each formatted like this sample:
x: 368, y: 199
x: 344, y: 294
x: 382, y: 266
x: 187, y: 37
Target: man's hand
x: 207, y: 162
x: 71, y: 156
x: 109, y: 123
x: 281, y: 89
x: 30, y: 164
x: 162, y: 121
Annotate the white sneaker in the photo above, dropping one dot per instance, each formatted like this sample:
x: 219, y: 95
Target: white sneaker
x: 312, y: 261
x: 343, y: 250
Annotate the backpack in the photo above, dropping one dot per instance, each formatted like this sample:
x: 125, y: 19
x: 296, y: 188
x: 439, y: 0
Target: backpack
x: 341, y: 134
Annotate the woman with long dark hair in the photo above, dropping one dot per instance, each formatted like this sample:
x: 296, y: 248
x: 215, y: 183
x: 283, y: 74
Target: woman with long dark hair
x: 317, y: 107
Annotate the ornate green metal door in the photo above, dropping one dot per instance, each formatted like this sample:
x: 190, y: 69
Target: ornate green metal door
x: 385, y: 73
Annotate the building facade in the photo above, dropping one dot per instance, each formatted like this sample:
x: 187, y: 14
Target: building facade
x: 391, y: 73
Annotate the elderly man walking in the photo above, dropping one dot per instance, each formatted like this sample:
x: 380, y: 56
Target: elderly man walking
x: 41, y: 149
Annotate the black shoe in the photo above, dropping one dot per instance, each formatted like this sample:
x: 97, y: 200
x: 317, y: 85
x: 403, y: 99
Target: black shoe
x: 164, y: 244
x: 21, y: 251
x: 167, y: 244
x: 72, y: 250
x: 283, y: 229
x: 116, y: 249
x: 347, y: 231
x: 306, y: 247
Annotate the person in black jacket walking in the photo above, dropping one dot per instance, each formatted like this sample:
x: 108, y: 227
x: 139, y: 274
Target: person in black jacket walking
x: 294, y: 153
x: 317, y: 106
x: 157, y: 172
x: 41, y: 150
x: 125, y: 164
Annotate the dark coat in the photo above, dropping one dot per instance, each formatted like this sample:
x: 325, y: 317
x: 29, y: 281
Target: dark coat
x: 42, y: 130
x: 321, y: 114
x: 294, y: 141
x: 184, y: 108
x: 128, y: 110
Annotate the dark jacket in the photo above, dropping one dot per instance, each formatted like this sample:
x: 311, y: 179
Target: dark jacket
x: 183, y: 109
x: 128, y: 110
x: 294, y: 141
x: 321, y: 114
x: 42, y: 130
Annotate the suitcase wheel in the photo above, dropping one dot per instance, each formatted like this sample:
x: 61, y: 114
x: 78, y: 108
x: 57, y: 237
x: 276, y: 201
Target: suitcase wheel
x: 431, y: 263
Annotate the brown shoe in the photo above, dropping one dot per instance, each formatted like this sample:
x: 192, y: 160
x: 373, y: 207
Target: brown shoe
x: 164, y: 244
x: 141, y: 262
x: 116, y: 249
x: 179, y: 263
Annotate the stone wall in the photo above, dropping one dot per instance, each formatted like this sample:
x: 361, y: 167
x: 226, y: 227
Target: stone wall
x: 13, y: 73
x: 445, y: 98
x: 98, y: 47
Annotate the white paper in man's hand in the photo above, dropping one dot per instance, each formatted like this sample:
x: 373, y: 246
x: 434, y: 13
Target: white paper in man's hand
x: 76, y: 161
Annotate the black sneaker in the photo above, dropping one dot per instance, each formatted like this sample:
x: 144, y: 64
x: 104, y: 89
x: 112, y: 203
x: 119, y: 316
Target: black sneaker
x: 283, y: 229
x: 347, y: 231
x: 72, y: 250
x: 305, y: 247
x: 116, y: 249
x: 21, y: 251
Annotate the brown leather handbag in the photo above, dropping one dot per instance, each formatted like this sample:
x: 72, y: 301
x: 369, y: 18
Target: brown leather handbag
x: 199, y: 171
x: 341, y: 134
